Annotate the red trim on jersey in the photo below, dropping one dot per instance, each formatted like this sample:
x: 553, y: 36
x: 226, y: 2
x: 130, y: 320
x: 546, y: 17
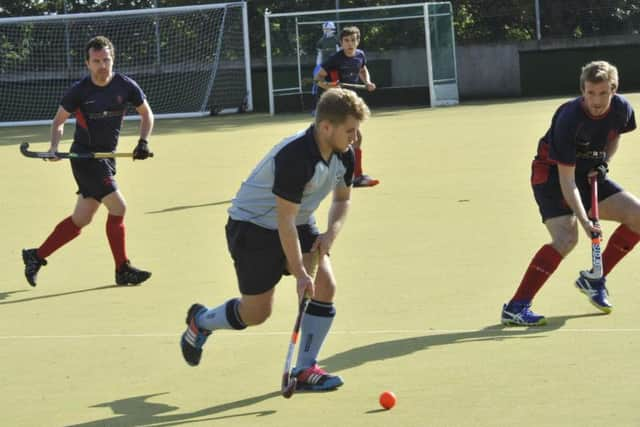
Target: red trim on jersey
x: 82, y: 122
x: 539, y: 172
x: 541, y: 165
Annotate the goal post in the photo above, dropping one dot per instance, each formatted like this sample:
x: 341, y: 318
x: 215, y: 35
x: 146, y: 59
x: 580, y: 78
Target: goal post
x: 190, y: 61
x: 410, y: 53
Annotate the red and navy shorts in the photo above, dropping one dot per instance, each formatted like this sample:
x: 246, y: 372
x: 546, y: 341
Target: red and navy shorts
x: 95, y: 177
x: 551, y: 202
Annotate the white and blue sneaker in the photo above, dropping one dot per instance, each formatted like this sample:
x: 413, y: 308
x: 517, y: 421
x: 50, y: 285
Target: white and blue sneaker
x: 194, y: 337
x: 595, y: 290
x: 520, y: 314
x: 315, y: 378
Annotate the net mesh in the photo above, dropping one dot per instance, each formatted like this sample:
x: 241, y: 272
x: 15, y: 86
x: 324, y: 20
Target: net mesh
x: 393, y: 39
x: 185, y: 62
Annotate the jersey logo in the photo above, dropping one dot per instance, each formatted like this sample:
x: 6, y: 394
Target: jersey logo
x: 583, y: 139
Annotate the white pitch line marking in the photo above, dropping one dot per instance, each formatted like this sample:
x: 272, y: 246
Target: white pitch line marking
x: 434, y: 332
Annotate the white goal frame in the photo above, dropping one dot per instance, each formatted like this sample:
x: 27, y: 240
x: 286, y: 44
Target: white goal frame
x: 247, y: 105
x: 442, y: 91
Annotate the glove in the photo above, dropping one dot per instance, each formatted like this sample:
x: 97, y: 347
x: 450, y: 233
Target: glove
x: 602, y: 169
x: 141, y: 151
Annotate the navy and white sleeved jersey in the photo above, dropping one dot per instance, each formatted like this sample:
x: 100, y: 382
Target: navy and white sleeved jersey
x: 345, y: 68
x: 100, y: 110
x: 578, y: 139
x: 295, y: 171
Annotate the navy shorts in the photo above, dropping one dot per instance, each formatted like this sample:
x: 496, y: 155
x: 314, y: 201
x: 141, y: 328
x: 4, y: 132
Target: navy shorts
x: 95, y: 177
x: 258, y: 256
x: 551, y: 203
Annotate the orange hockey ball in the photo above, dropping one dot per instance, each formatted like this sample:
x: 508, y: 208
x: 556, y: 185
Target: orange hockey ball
x: 387, y: 400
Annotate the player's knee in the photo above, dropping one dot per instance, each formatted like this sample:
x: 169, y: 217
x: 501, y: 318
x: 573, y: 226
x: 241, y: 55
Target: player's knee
x: 325, y: 288
x: 632, y: 220
x: 80, y: 220
x: 257, y: 314
x: 565, y: 243
x: 118, y: 210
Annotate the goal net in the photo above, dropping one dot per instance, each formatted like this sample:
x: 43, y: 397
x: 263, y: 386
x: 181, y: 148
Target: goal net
x: 189, y: 61
x: 410, y: 52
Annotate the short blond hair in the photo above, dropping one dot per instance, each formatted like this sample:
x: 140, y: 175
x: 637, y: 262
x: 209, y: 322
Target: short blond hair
x: 599, y: 71
x: 335, y: 105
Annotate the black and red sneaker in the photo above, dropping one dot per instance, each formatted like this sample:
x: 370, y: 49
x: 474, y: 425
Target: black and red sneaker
x: 129, y: 275
x: 32, y: 264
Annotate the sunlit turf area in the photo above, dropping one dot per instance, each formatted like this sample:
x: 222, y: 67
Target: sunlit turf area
x: 424, y: 264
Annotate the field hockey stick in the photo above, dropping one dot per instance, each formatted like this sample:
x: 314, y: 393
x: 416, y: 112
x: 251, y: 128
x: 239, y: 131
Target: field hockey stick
x: 344, y: 85
x: 352, y: 86
x: 24, y: 149
x: 596, y: 238
x: 289, y: 383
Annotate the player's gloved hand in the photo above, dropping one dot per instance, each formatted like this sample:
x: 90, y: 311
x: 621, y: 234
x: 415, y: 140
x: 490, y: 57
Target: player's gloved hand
x: 141, y: 151
x: 602, y: 169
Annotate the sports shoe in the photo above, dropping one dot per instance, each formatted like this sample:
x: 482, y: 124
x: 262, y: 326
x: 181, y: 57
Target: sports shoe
x: 32, y: 264
x: 194, y: 337
x: 315, y: 379
x: 520, y: 314
x: 595, y: 290
x: 129, y: 275
x: 365, y: 181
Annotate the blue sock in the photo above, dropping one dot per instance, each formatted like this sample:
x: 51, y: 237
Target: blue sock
x: 224, y: 316
x: 314, y: 329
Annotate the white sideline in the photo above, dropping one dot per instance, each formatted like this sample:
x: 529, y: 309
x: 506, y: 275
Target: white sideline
x: 489, y: 332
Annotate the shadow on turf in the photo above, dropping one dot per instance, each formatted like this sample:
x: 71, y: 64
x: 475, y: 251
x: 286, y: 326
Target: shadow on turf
x: 396, y: 348
x: 136, y: 411
x: 3, y: 295
x: 180, y: 208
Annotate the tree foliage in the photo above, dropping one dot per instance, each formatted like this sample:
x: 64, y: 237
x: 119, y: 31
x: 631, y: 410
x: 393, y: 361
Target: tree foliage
x: 475, y: 20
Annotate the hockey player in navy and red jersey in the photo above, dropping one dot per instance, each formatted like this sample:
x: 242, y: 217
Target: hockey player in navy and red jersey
x: 99, y: 102
x: 272, y: 231
x: 582, y: 140
x: 349, y: 65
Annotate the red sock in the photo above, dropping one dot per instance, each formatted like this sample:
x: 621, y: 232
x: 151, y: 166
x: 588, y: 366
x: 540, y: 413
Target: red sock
x: 64, y: 232
x: 357, y: 169
x: 115, y: 234
x: 620, y: 243
x: 543, y: 264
